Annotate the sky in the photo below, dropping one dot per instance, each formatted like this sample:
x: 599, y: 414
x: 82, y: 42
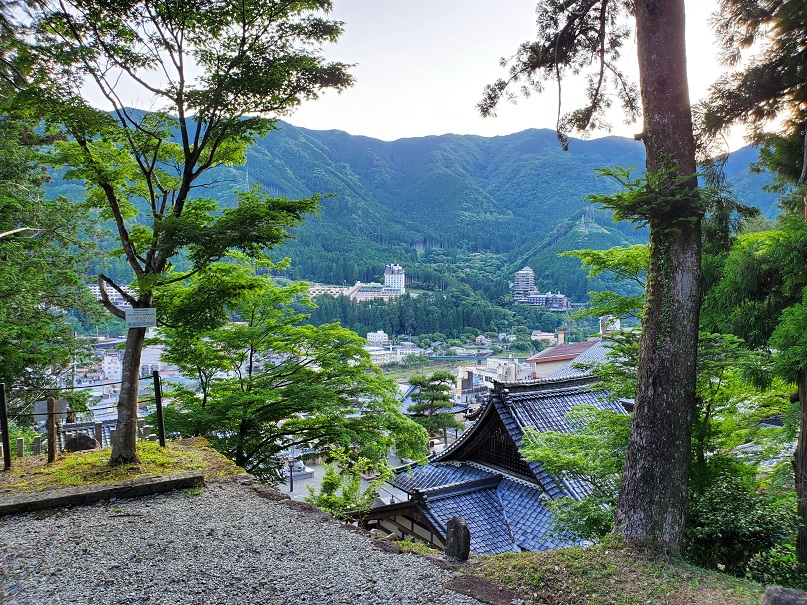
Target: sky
x: 421, y: 67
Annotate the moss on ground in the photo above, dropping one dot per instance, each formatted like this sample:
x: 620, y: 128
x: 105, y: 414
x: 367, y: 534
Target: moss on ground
x: 33, y: 474
x: 613, y: 574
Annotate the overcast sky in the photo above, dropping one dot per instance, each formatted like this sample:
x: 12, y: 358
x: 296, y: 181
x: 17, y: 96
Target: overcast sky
x: 421, y: 66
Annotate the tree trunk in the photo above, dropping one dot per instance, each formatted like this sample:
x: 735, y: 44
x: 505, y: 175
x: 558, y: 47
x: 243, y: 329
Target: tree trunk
x: 124, y: 446
x: 800, y: 470
x: 653, y: 495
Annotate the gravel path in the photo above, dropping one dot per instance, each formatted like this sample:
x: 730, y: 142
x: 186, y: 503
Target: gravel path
x: 225, y: 545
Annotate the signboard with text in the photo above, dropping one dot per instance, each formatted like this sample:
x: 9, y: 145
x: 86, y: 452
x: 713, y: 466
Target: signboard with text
x: 141, y: 318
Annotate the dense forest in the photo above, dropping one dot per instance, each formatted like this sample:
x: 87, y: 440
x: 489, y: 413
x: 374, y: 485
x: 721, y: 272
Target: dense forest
x: 452, y: 314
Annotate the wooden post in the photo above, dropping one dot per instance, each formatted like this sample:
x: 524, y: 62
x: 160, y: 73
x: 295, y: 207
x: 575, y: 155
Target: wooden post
x: 158, y: 399
x: 51, y: 422
x: 4, y: 428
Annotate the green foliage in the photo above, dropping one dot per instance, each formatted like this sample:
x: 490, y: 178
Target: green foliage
x: 660, y: 198
x: 790, y: 340
x: 573, y: 41
x: 209, y: 74
x: 593, y: 453
x: 341, y: 492
x: 764, y: 40
x: 17, y: 431
x: 267, y: 383
x: 624, y: 264
x: 777, y: 567
x: 431, y: 400
x: 763, y: 274
x: 729, y: 413
x: 450, y: 314
x: 730, y: 522
x: 44, y: 254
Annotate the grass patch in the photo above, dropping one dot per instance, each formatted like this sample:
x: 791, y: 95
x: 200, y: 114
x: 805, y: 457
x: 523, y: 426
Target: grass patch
x: 613, y: 574
x: 33, y: 474
x: 417, y: 547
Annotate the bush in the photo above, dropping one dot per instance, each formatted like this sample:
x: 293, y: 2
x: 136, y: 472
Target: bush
x: 778, y: 566
x: 730, y: 523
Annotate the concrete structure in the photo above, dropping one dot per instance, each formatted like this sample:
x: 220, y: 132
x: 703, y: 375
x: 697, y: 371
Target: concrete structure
x: 114, y: 296
x: 394, y: 280
x: 549, y: 337
x: 394, y: 285
x: 319, y: 289
x: 111, y: 365
x: 608, y: 324
x: 151, y: 359
x: 381, y: 356
x: 474, y: 382
x: 553, y: 302
x: 378, y: 337
x: 524, y: 283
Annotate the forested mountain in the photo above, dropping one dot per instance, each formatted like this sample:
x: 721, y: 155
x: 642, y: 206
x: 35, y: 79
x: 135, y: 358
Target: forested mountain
x: 501, y: 202
x: 452, y: 208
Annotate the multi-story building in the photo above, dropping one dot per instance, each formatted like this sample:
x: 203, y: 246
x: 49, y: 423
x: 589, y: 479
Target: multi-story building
x: 394, y: 279
x: 524, y: 283
x: 553, y: 302
x: 114, y: 296
x: 379, y: 337
x: 111, y: 365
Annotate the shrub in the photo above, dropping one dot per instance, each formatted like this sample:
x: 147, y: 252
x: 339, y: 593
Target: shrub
x: 730, y: 523
x: 778, y: 566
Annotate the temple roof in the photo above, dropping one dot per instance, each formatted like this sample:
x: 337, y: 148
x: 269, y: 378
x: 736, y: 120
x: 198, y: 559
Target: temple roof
x: 482, y: 478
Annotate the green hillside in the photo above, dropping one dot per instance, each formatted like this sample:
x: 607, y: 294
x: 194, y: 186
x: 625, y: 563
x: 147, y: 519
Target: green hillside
x: 491, y: 205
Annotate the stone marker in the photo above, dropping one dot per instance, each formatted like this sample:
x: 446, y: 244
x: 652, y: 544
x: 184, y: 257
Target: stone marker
x: 37, y: 445
x: 458, y: 540
x: 776, y: 595
x: 20, y: 447
x: 79, y: 442
x: 99, y: 432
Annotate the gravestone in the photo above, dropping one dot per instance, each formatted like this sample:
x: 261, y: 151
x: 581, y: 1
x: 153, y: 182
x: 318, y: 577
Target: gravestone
x: 458, y: 540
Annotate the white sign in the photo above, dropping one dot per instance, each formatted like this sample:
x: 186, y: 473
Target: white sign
x: 141, y: 318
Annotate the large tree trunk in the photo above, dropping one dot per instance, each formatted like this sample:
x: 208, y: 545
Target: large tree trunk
x: 124, y: 446
x: 653, y: 496
x: 800, y: 470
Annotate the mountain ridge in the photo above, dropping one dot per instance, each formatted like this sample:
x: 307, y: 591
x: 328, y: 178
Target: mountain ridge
x: 500, y: 197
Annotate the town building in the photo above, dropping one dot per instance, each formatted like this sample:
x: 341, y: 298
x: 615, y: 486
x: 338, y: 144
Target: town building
x: 523, y: 291
x: 394, y: 280
x: 552, y: 301
x: 114, y: 296
x: 382, y: 356
x: 111, y: 365
x: 523, y: 284
x: 394, y: 285
x: 550, y: 360
x: 475, y: 382
x: 378, y: 337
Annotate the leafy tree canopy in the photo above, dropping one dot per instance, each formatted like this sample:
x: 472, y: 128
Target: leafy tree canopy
x: 213, y: 75
x: 267, y: 383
